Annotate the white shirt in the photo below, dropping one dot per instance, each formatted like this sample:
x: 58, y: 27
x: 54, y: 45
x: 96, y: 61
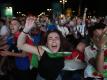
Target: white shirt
x: 74, y: 64
x: 4, y: 30
x: 90, y: 53
x: 64, y: 30
x: 81, y: 29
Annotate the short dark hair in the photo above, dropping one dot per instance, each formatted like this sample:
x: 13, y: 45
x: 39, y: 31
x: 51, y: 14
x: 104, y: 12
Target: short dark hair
x: 15, y: 19
x: 94, y: 27
x: 77, y: 41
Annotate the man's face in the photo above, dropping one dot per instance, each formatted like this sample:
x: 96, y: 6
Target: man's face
x: 81, y: 46
x: 79, y: 21
x: 98, y: 32
x: 14, y: 26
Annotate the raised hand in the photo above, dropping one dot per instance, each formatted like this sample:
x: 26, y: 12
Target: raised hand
x: 85, y: 10
x: 29, y: 24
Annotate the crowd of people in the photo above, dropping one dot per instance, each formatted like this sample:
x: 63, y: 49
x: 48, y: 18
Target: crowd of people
x: 61, y: 48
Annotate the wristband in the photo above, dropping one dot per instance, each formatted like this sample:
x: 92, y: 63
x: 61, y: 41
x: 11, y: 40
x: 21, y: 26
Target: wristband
x: 25, y: 32
x: 100, y: 50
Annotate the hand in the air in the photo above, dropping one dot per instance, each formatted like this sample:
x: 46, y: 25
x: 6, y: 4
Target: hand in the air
x: 29, y: 24
x: 85, y: 10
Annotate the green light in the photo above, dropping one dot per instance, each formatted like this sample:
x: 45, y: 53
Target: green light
x: 8, y: 12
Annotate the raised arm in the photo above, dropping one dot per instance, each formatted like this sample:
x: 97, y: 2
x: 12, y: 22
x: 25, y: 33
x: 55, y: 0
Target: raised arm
x: 100, y: 56
x: 100, y: 61
x: 8, y: 53
x: 22, y: 38
x: 84, y: 15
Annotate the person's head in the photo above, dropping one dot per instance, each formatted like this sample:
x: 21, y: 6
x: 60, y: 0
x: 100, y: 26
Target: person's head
x: 79, y: 21
x: 54, y: 40
x: 62, y: 20
x: 80, y: 45
x: 71, y: 23
x: 36, y: 28
x: 96, y: 30
x: 22, y: 22
x: 14, y: 25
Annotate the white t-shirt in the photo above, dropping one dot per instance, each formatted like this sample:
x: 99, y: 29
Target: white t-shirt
x: 81, y: 29
x: 4, y: 30
x: 74, y: 64
x: 64, y: 30
x: 75, y: 61
x: 90, y: 53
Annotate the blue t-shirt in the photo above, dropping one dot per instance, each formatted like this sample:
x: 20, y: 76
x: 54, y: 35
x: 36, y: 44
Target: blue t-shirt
x: 51, y: 27
x: 37, y: 38
x: 22, y: 63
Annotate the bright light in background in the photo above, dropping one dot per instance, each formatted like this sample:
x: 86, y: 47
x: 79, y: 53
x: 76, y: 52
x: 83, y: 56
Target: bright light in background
x: 62, y: 16
x: 63, y: 1
x: 19, y: 12
x: 23, y: 15
x: 60, y: 1
x: 73, y: 11
x: 49, y: 10
x: 8, y: 11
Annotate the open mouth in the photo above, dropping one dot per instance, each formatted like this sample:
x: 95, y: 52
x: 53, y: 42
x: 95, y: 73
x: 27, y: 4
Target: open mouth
x: 54, y: 48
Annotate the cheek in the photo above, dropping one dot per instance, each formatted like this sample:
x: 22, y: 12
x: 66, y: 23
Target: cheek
x: 49, y: 43
x: 82, y: 47
x: 96, y: 33
x: 12, y: 28
x: 100, y: 33
x: 58, y: 42
x: 16, y: 28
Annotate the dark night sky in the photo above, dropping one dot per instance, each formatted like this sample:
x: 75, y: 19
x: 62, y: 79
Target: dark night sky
x: 41, y: 5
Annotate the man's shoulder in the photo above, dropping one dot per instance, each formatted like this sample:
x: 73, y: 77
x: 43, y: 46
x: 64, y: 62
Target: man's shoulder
x: 5, y: 26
